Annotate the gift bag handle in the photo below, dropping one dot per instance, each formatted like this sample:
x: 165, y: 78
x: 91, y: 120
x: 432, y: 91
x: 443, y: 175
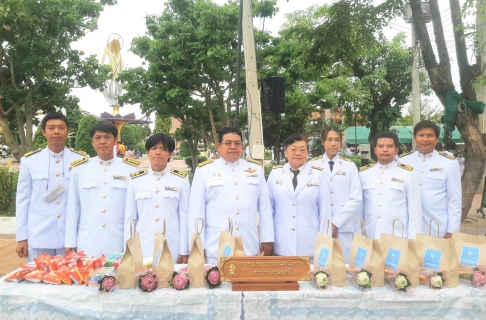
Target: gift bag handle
x: 430, y: 226
x: 469, y: 220
x: 363, y: 229
x: 230, y: 225
x: 393, y: 225
x: 328, y: 225
x: 165, y: 227
x: 132, y: 228
x: 196, y: 225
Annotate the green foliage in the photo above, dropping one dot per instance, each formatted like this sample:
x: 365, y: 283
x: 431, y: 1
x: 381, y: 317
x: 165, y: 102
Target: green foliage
x: 177, y: 158
x: 268, y: 168
x: 140, y: 146
x: 131, y: 134
x: 83, y: 140
x: 40, y: 142
x: 184, y: 150
x: 357, y: 160
x: 162, y: 124
x: 8, y: 187
x: 200, y: 159
x: 268, y: 155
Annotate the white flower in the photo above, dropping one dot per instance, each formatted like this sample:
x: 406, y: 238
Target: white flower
x: 321, y: 279
x: 436, y: 281
x: 401, y: 282
x: 363, y: 279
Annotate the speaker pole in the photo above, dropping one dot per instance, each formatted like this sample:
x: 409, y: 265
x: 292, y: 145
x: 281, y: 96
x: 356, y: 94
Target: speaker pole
x: 236, y: 122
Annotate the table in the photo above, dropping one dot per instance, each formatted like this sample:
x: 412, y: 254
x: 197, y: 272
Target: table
x: 462, y: 302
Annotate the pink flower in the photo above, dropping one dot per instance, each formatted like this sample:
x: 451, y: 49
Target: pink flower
x: 148, y: 282
x: 478, y: 279
x: 179, y: 282
x: 107, y: 283
x: 214, y: 277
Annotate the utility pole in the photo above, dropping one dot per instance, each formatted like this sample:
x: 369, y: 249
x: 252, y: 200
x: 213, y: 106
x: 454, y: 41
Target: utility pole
x: 416, y: 95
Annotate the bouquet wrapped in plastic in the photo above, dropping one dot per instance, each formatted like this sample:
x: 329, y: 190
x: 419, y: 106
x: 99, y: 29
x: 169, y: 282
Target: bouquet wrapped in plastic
x: 213, y: 277
x: 360, y: 279
x: 179, y: 281
x: 321, y: 279
x: 147, y: 281
x: 398, y: 281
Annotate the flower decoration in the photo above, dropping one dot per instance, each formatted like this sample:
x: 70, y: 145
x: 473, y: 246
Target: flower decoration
x: 148, y: 281
x: 179, y: 281
x: 213, y: 277
x: 478, y: 278
x: 401, y: 282
x: 107, y: 283
x: 363, y: 279
x: 436, y: 280
x: 321, y: 278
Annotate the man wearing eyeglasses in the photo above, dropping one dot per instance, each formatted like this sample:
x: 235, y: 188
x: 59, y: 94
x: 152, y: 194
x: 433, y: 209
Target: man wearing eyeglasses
x: 231, y: 187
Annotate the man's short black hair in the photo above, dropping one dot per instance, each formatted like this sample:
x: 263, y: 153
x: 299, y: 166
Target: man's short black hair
x: 386, y: 134
x: 166, y: 141
x: 426, y: 124
x: 52, y: 116
x: 295, y: 137
x: 227, y: 130
x: 104, y: 126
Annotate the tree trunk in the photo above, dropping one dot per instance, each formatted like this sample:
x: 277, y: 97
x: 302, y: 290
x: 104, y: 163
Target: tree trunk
x: 193, y: 150
x: 14, y: 147
x: 211, y: 119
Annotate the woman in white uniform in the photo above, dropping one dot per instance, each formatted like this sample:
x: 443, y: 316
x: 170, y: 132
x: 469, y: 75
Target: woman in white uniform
x: 156, y: 194
x: 300, y: 202
x: 342, y: 178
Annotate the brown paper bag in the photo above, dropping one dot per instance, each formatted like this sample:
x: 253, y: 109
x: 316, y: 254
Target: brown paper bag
x: 229, y: 245
x: 400, y: 255
x: 438, y: 254
x: 328, y: 254
x: 132, y: 261
x: 195, y: 263
x: 163, y: 264
x: 366, y: 253
x: 470, y: 249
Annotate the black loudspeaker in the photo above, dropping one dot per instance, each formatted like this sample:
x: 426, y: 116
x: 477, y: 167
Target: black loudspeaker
x: 273, y: 95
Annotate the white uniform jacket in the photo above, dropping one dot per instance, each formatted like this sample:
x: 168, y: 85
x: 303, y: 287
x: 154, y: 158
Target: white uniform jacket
x: 39, y: 222
x: 344, y: 188
x: 222, y: 189
x: 96, y: 205
x: 440, y: 186
x: 298, y: 214
x: 153, y: 197
x: 391, y: 192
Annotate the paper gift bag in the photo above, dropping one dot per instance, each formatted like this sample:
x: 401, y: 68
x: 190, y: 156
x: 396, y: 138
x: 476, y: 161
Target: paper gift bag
x: 438, y: 254
x: 366, y: 253
x: 400, y: 255
x: 195, y: 263
x: 328, y: 254
x: 163, y: 264
x: 470, y: 249
x: 229, y: 245
x: 132, y: 261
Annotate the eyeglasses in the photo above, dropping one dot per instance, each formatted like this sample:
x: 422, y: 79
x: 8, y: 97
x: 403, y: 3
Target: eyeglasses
x: 228, y: 144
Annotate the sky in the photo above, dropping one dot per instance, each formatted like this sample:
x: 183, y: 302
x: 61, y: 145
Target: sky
x: 127, y: 19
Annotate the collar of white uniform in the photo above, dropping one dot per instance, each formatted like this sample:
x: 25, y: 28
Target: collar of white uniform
x: 391, y: 165
x: 228, y: 163
x: 326, y: 159
x: 301, y: 168
x: 56, y: 155
x: 159, y: 173
x: 106, y: 163
x: 428, y: 155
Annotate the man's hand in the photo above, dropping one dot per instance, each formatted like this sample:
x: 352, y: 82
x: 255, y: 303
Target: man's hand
x: 182, y: 259
x: 448, y: 235
x: 67, y: 250
x: 334, y: 231
x: 22, y: 249
x: 266, y: 248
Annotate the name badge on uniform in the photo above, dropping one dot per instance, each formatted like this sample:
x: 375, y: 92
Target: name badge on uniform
x: 435, y: 169
x: 398, y: 179
x: 54, y: 193
x: 120, y: 177
x: 313, y: 184
x: 171, y: 188
x: 341, y: 173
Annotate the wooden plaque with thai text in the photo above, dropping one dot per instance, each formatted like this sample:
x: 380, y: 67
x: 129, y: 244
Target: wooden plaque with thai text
x: 265, y: 269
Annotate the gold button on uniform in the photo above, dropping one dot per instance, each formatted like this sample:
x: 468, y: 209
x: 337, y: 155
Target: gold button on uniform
x: 382, y: 172
x: 381, y: 193
x: 103, y: 210
x: 156, y: 219
x: 237, y: 212
x: 379, y: 204
x: 237, y: 197
x: 293, y: 217
x: 332, y: 204
x: 332, y: 192
x: 58, y: 216
x: 158, y: 178
x: 104, y: 196
x: 236, y: 183
x: 103, y: 225
x: 156, y: 191
x: 237, y: 228
x: 58, y: 202
x: 378, y: 216
x: 156, y: 205
x: 331, y: 179
x: 293, y: 229
x: 104, y: 169
x: 104, y: 182
x: 420, y: 183
x: 57, y: 161
x: 58, y: 174
x: 422, y: 171
x: 381, y: 182
x: 293, y: 204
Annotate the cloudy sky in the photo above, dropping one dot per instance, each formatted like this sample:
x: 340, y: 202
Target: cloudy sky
x: 127, y: 19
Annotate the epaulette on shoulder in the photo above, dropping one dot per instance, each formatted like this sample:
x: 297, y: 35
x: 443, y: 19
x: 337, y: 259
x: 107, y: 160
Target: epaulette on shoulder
x: 254, y: 161
x: 139, y: 173
x: 406, y: 154
x: 317, y: 168
x: 78, y: 152
x: 363, y: 168
x: 277, y: 166
x: 316, y: 158
x: 131, y: 161
x: 79, y: 161
x: 179, y: 173
x: 205, y: 163
x: 445, y: 154
x: 346, y: 159
x: 404, y: 166
x: 31, y: 153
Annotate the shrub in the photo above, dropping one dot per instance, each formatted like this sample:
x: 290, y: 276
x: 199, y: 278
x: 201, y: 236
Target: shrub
x: 83, y: 140
x: 140, y: 146
x: 188, y: 160
x: 131, y: 134
x: 184, y: 150
x: 8, y: 187
x: 268, y: 155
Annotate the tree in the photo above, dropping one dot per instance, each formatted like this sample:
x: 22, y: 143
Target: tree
x: 83, y: 139
x: 162, y: 124
x: 131, y: 135
x: 427, y: 112
x: 38, y: 66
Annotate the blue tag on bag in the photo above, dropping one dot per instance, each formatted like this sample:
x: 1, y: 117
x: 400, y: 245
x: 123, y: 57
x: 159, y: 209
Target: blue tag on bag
x: 226, y: 251
x: 360, y: 257
x: 469, y: 256
x: 323, y: 255
x: 432, y: 259
x: 157, y: 257
x: 392, y: 258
